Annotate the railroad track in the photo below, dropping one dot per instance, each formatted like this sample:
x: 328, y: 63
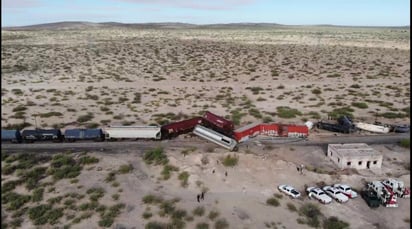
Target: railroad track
x: 128, y: 146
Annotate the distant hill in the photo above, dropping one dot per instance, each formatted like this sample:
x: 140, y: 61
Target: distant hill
x: 169, y: 25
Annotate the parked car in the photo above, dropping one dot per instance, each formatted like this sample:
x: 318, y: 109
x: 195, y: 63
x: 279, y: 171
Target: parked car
x: 289, y: 190
x: 347, y: 190
x: 318, y: 194
x: 370, y: 198
x: 336, y: 194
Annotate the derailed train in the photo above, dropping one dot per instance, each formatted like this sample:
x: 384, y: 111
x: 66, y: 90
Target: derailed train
x: 211, y: 127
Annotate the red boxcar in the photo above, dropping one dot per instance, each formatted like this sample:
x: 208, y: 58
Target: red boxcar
x: 246, y: 132
x: 295, y: 131
x: 219, y: 124
x: 269, y: 129
x: 175, y: 129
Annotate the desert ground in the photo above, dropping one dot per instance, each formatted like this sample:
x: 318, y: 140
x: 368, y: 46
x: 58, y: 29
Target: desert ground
x: 98, y: 76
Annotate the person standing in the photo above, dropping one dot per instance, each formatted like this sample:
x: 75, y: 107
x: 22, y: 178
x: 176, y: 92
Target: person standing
x: 202, y: 195
x: 198, y: 198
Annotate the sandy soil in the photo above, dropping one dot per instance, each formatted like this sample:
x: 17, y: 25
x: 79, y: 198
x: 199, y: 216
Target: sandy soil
x: 138, y: 76
x: 240, y: 197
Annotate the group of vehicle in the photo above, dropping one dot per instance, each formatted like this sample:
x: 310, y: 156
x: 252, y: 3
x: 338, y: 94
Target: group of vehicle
x: 375, y: 193
x: 346, y: 125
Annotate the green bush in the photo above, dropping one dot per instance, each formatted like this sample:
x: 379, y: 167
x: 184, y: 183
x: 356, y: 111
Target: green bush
x: 291, y: 207
x: 14, y: 200
x: 230, y: 161
x: 202, y: 225
x: 273, y: 202
x: 37, y: 195
x: 334, y: 223
x: 316, y: 91
x: 110, y: 177
x: 312, y: 214
x: 156, y: 157
x: 85, y: 118
x: 152, y: 199
x: 199, y: 211
x: 155, y: 225
x: 360, y: 105
x: 213, y: 214
x: 336, y: 113
x: 184, y: 177
x: 286, y: 112
x: 88, y: 160
x: 405, y: 143
x: 167, y: 169
x: 125, y: 169
x: 221, y: 224
x: 147, y: 215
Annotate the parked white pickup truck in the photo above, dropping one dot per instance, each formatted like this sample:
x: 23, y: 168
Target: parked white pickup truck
x: 347, y: 190
x: 336, y: 194
x: 318, y: 194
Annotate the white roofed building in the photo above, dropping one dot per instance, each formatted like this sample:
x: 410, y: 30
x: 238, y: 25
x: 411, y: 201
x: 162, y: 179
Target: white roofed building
x: 356, y: 155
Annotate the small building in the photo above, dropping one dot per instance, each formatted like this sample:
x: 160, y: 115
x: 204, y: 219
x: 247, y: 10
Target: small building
x: 356, y: 156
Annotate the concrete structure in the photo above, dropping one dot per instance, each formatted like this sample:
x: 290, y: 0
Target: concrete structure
x: 356, y: 155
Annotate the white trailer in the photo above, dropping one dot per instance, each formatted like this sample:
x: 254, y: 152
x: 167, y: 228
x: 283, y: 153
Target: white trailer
x: 372, y: 128
x: 132, y: 132
x: 387, y: 197
x: 215, y: 137
x: 398, y: 187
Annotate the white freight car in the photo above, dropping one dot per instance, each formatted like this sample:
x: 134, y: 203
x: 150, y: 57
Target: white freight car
x: 132, y: 132
x: 372, y: 128
x: 215, y: 137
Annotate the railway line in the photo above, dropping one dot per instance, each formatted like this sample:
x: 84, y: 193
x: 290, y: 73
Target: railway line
x: 141, y: 146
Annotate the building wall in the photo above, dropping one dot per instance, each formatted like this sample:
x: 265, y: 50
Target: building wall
x: 356, y: 162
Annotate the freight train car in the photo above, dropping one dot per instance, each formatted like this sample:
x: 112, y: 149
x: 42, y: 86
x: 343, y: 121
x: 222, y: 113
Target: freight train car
x: 244, y: 133
x: 12, y: 136
x: 216, y: 137
x: 71, y: 135
x: 132, y: 132
x: 30, y: 136
x: 401, y: 129
x: 333, y: 127
x: 175, y: 129
x: 219, y: 124
x: 293, y: 131
x: 347, y: 123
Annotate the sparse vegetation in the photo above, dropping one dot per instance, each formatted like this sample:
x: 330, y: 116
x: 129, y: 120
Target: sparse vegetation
x: 230, y: 161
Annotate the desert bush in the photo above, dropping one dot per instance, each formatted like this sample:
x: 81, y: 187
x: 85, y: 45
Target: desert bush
x: 85, y: 160
x: 44, y: 213
x: 392, y: 115
x: 167, y: 169
x: 267, y: 119
x: 199, y: 211
x: 14, y: 200
x: 19, y: 108
x: 273, y: 202
x: 405, y: 143
x: 360, y: 105
x: 156, y: 225
x: 221, y: 224
x: 311, y: 212
x: 152, y: 199
x: 50, y: 114
x: 115, y: 196
x: 230, y: 161
x: 95, y: 193
x: 291, y: 207
x: 85, y: 118
x: 184, y: 177
x: 336, y: 113
x: 278, y: 195
x: 10, y: 185
x: 316, y: 91
x: 202, y: 225
x: 286, y: 112
x: 334, y: 223
x: 213, y: 215
x: 110, y: 177
x: 236, y: 116
x: 64, y: 166
x: 147, y: 215
x: 37, y: 195
x: 123, y: 169
x: 155, y: 156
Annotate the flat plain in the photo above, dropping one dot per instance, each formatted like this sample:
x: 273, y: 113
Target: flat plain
x: 90, y: 76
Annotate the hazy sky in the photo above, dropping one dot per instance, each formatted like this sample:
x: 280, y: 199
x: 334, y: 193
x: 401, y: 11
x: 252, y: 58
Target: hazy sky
x: 289, y: 12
